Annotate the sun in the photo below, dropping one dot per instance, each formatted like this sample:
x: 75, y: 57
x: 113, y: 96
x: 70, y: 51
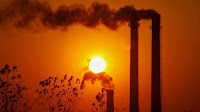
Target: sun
x: 97, y: 65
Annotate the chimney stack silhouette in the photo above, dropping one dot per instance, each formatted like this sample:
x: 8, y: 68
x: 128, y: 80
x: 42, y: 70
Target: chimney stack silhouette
x: 110, y: 100
x: 155, y: 75
x: 134, y: 107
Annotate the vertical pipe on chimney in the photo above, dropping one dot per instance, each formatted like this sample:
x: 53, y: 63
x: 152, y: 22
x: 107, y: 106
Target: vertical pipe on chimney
x: 134, y: 107
x: 110, y: 100
x: 155, y: 79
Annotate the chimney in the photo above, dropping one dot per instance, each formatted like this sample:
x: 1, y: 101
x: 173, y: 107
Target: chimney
x: 110, y: 100
x: 134, y: 107
x: 155, y: 75
x: 155, y: 79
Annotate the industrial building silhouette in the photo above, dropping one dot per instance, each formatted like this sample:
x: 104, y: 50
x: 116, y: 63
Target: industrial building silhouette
x: 155, y: 72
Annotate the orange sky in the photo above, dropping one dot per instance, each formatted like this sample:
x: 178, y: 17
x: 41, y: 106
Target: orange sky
x: 41, y: 52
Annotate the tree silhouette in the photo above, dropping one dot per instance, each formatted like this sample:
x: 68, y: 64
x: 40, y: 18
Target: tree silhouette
x: 11, y: 89
x: 100, y: 104
x: 59, y: 95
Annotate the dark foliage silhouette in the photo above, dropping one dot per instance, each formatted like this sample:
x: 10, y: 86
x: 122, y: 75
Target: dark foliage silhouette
x: 11, y: 96
x: 100, y: 104
x: 59, y: 95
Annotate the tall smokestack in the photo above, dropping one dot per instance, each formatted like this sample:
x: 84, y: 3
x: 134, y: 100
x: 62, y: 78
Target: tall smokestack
x: 134, y: 107
x: 110, y: 100
x: 155, y: 79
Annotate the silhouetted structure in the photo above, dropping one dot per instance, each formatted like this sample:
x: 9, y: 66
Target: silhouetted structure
x: 155, y: 79
x: 134, y: 107
x: 155, y: 76
x: 110, y: 100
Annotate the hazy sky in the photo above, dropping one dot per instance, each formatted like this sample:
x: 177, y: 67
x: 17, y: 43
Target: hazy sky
x: 39, y: 52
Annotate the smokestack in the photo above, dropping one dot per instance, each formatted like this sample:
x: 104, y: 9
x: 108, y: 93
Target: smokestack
x: 110, y: 100
x: 155, y: 79
x: 134, y: 107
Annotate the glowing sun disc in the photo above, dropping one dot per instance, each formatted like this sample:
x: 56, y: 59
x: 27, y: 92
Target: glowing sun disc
x: 97, y: 65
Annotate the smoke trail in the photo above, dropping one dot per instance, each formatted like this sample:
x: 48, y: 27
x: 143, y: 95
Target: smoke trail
x: 106, y: 80
x: 26, y: 12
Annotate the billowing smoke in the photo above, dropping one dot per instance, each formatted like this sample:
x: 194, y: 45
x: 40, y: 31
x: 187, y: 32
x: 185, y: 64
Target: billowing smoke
x: 106, y: 80
x: 27, y: 12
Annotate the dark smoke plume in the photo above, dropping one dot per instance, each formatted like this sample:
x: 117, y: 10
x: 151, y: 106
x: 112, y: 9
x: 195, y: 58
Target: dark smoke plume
x: 27, y: 12
x: 106, y: 80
